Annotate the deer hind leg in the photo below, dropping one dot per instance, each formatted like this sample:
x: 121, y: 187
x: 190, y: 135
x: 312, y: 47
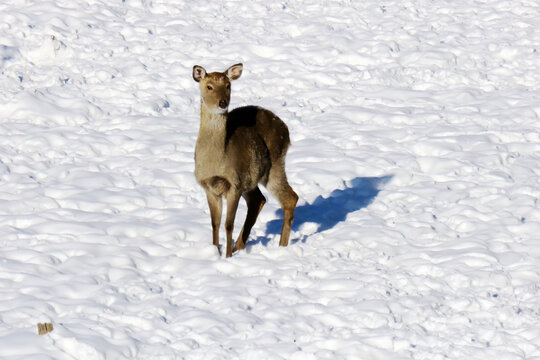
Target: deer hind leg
x: 255, y: 201
x: 233, y: 197
x: 215, y: 205
x: 280, y: 188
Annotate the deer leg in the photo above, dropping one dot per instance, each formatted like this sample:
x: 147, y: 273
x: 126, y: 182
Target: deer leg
x: 288, y: 200
x: 232, y: 205
x: 215, y: 205
x: 280, y: 188
x: 255, y: 201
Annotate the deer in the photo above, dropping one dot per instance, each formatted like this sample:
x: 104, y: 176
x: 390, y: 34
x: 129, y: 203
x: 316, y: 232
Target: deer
x: 235, y: 152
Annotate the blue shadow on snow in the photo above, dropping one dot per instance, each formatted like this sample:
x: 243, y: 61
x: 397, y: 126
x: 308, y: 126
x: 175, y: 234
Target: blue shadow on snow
x: 328, y: 211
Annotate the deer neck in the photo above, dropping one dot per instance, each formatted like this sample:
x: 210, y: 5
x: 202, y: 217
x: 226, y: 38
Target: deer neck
x: 212, y: 130
x: 213, y: 121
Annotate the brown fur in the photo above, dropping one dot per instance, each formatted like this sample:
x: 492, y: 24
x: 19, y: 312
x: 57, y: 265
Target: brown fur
x: 236, y: 151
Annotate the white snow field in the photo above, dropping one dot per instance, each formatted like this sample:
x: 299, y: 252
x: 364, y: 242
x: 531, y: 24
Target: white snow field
x: 415, y: 152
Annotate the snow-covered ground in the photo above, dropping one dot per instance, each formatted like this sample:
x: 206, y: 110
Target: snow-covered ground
x: 416, y: 155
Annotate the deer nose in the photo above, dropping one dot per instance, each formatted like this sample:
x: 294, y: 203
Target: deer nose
x: 223, y: 104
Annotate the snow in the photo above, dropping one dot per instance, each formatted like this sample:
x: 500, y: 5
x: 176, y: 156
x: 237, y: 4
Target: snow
x: 415, y: 152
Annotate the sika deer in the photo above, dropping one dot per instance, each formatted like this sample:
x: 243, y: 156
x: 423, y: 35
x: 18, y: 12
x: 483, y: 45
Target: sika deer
x: 235, y: 152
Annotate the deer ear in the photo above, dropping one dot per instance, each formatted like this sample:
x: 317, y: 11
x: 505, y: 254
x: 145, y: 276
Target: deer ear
x: 234, y: 71
x: 198, y: 73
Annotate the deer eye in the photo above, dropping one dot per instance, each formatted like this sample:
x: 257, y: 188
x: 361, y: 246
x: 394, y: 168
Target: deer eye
x: 210, y: 88
x: 229, y: 87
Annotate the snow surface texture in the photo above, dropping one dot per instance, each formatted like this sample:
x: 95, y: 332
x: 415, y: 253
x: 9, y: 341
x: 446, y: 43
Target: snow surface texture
x: 416, y: 155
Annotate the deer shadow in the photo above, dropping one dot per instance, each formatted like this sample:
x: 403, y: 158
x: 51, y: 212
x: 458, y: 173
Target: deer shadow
x: 326, y: 212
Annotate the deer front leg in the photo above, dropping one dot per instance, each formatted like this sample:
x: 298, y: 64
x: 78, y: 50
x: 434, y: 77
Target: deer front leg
x: 233, y: 197
x: 215, y: 205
